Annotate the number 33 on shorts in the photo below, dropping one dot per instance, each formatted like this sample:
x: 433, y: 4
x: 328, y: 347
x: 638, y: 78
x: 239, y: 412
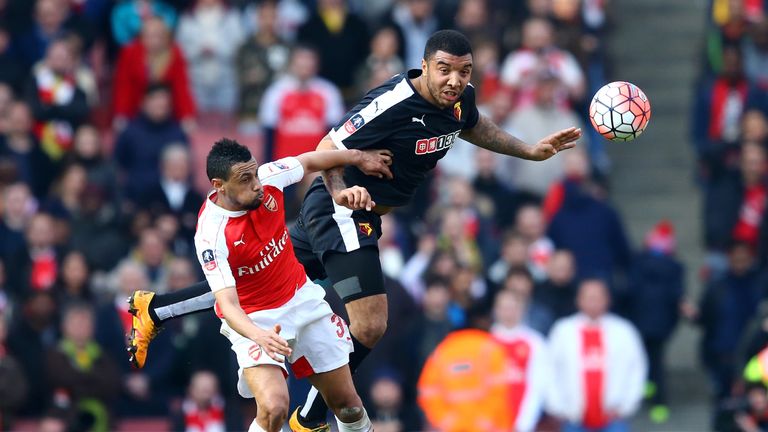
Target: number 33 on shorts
x: 341, y: 327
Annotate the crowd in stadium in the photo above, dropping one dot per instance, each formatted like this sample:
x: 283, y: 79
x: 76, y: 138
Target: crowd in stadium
x: 107, y: 106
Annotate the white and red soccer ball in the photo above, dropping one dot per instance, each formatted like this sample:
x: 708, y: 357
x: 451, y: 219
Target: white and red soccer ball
x: 620, y: 111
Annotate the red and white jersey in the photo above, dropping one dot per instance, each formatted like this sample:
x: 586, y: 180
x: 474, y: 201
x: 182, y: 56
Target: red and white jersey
x: 599, y: 366
x: 251, y: 250
x: 528, y: 373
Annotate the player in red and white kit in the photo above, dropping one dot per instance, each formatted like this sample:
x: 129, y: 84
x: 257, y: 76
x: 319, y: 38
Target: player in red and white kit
x: 270, y: 310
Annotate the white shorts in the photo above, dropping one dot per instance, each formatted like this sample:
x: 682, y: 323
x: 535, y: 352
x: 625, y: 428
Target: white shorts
x: 321, y: 342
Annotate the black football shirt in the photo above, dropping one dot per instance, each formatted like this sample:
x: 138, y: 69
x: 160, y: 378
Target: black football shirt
x: 394, y: 116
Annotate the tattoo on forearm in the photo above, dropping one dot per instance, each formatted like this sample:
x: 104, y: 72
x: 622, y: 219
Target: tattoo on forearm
x: 489, y: 136
x: 334, y: 179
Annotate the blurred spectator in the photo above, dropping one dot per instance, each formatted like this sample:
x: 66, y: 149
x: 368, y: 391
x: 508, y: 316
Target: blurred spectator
x: 65, y: 198
x: 487, y: 183
x: 13, y: 383
x: 382, y: 63
x: 210, y: 34
x: 753, y: 416
x: 656, y: 288
x: 416, y: 21
x: 151, y: 254
x: 36, y: 266
x: 56, y: 419
x: 129, y: 17
x: 735, y: 206
x: 537, y: 316
x: 430, y: 327
x: 725, y: 309
x: 151, y: 59
x: 139, y: 146
x: 514, y: 254
x: 89, y: 153
x: 541, y: 117
x: 387, y: 402
x: 31, y: 334
x: 341, y: 39
x: 18, y: 206
x: 204, y: 409
x: 290, y: 15
x: 457, y: 236
x: 263, y: 55
x: 423, y: 260
x: 145, y: 391
x: 12, y: 72
x: 73, y: 284
x: 390, y: 253
x: 474, y: 20
x: 598, y: 363
x: 532, y: 227
x: 591, y: 229
x: 719, y: 105
x: 80, y: 369
x: 529, y: 374
x: 538, y: 54
x: 174, y: 193
x: 19, y: 145
x: 472, y: 364
x: 558, y: 291
x: 299, y: 108
x: 49, y: 23
x: 84, y: 76
x: 755, y: 49
x: 485, y: 72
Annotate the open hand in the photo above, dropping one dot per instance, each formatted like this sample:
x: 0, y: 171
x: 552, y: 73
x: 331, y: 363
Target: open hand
x: 376, y: 163
x: 354, y: 198
x: 271, y: 342
x: 549, y: 146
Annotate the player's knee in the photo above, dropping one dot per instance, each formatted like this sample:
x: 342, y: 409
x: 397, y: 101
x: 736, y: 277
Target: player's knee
x: 275, y: 409
x: 348, y: 408
x: 369, y: 331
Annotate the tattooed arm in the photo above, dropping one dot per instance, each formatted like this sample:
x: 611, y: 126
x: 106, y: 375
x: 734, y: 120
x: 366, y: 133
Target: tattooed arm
x: 370, y: 163
x: 487, y: 135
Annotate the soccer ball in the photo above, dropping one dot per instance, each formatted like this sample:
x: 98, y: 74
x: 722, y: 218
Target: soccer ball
x: 620, y: 111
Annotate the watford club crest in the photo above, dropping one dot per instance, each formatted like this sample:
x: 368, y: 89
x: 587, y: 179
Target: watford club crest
x: 270, y: 203
x: 365, y: 228
x: 457, y: 110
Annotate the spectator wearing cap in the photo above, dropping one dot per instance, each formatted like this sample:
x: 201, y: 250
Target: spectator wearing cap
x: 656, y: 287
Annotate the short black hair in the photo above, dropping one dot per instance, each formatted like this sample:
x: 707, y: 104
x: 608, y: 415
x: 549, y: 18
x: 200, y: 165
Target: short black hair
x: 225, y: 153
x: 449, y: 41
x: 157, y: 87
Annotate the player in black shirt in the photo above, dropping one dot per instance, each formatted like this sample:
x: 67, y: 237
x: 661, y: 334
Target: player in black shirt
x: 416, y: 115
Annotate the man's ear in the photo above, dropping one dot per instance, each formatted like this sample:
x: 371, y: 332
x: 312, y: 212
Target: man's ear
x: 217, y: 183
x: 424, y: 66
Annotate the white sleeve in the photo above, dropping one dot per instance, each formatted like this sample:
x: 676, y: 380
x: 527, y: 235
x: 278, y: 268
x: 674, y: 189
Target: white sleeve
x: 334, y: 104
x: 213, y: 254
x: 553, y: 397
x: 636, y: 372
x: 281, y: 173
x: 537, y: 380
x: 270, y: 106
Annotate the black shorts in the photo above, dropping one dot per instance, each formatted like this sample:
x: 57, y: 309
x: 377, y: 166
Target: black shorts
x: 325, y: 229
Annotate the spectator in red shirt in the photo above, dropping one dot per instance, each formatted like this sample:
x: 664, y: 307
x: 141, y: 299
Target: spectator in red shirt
x: 152, y: 58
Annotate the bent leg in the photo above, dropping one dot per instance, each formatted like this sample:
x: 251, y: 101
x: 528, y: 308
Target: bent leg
x: 267, y: 383
x: 194, y: 298
x: 339, y: 393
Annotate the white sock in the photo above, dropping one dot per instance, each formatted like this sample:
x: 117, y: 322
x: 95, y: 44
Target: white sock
x: 255, y: 427
x: 362, y: 425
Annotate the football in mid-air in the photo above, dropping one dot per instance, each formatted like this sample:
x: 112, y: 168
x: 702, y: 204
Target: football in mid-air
x: 620, y: 111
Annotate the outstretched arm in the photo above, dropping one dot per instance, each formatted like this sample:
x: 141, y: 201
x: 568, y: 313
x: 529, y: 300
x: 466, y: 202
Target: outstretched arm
x: 374, y: 162
x: 487, y: 135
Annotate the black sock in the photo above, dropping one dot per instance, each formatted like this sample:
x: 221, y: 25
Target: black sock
x: 190, y: 292
x: 319, y: 410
